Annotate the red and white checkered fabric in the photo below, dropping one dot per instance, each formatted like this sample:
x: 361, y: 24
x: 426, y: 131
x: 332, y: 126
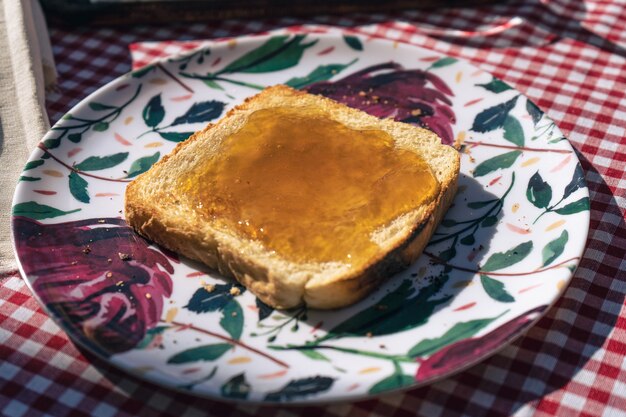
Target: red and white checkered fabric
x: 568, y: 57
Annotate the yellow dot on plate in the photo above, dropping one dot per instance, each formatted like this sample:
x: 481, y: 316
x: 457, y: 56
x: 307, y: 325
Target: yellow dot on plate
x: 52, y: 173
x: 158, y: 81
x: 369, y: 370
x: 460, y: 137
x: 153, y: 145
x: 515, y: 207
x: 459, y: 76
x: 560, y: 285
x: 171, y: 314
x: 531, y: 161
x: 556, y: 224
x: 232, y: 43
x: 128, y: 120
x: 239, y: 359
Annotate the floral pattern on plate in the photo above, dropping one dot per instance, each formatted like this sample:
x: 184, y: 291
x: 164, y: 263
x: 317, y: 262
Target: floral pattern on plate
x: 502, y: 255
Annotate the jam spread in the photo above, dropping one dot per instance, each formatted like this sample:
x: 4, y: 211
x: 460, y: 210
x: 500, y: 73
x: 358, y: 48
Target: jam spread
x: 308, y: 187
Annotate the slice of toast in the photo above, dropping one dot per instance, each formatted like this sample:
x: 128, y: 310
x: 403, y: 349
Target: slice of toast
x: 156, y: 208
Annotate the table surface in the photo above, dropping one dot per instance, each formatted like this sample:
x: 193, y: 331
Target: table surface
x: 568, y: 57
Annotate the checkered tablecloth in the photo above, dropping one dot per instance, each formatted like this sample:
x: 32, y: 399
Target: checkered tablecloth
x: 569, y: 57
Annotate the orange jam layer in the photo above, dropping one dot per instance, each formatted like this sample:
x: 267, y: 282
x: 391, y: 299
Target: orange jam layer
x: 308, y: 187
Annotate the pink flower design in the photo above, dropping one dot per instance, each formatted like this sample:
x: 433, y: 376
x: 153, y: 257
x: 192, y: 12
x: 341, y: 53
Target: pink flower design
x: 389, y: 90
x: 458, y: 354
x: 98, y: 276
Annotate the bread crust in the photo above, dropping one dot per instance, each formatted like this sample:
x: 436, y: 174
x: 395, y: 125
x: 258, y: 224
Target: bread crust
x: 154, y: 211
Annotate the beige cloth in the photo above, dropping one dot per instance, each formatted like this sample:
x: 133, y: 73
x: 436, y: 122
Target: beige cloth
x: 26, y: 69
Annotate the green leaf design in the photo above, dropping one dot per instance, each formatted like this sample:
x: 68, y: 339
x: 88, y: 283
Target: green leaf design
x: 500, y: 260
x: 175, y: 136
x: 395, y: 381
x: 513, y: 131
x: 143, y: 164
x: 264, y: 310
x: 52, y: 143
x: 78, y: 187
x: 75, y: 137
x: 220, y: 299
x: 495, y: 86
x: 142, y: 71
x: 100, y: 126
x: 96, y: 163
x: 28, y: 179
x: 497, y: 162
x: 237, y: 387
x: 36, y: 211
x: 575, y: 207
x: 154, y: 112
x: 489, y: 221
x: 99, y: 106
x: 494, y: 117
x: 277, y: 53
x: 538, y: 192
x: 480, y: 204
x: 300, y: 388
x: 468, y: 240
x: 33, y: 164
x: 458, y: 332
x: 353, y: 42
x: 535, y: 112
x: 448, y: 254
x: 150, y: 335
x: 203, y: 301
x: 577, y: 181
x: 443, y: 62
x: 403, y: 309
x: 232, y: 319
x: 556, y: 140
x: 554, y: 249
x: 313, y: 354
x: 213, y: 85
x: 200, y: 113
x: 321, y: 73
x: 495, y: 289
x: 200, y: 353
x: 449, y: 222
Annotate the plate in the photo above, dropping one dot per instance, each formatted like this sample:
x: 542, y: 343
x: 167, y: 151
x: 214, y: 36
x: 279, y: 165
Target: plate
x: 502, y: 255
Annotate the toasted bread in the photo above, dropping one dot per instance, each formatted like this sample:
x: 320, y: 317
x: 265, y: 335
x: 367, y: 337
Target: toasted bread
x: 156, y: 209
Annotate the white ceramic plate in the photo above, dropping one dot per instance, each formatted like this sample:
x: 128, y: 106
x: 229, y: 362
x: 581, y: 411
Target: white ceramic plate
x: 503, y: 254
